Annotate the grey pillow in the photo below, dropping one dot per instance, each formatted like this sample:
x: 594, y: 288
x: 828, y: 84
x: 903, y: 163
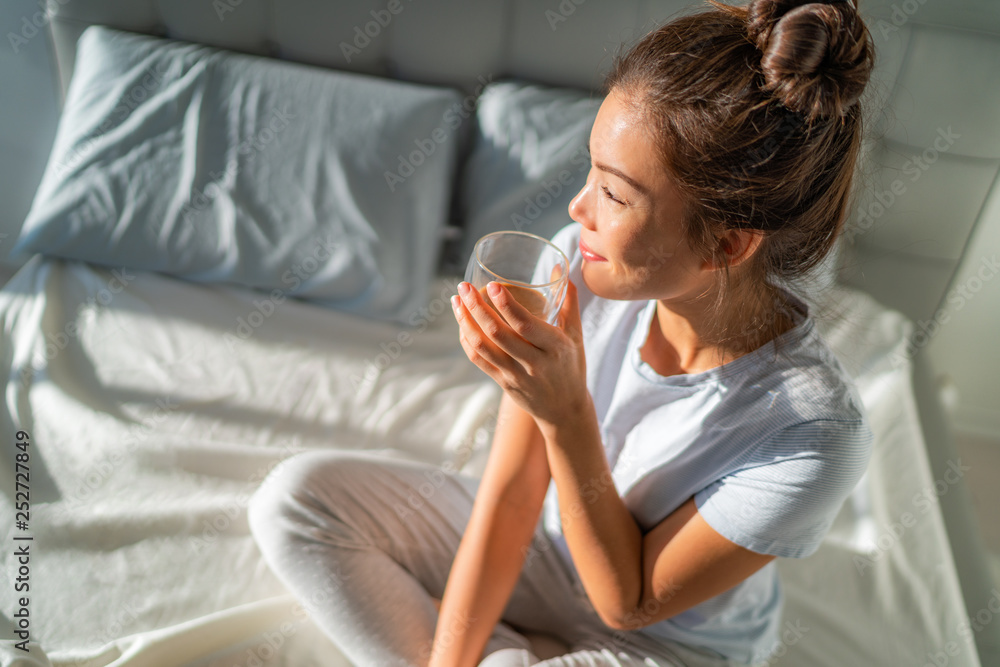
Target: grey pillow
x: 528, y: 160
x: 222, y: 167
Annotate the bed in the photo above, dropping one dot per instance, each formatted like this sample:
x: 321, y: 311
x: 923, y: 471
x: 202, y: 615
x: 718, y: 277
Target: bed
x: 163, y: 351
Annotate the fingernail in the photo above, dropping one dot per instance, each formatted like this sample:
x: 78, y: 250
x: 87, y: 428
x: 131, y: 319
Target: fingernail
x: 454, y: 302
x: 493, y: 289
x: 464, y: 288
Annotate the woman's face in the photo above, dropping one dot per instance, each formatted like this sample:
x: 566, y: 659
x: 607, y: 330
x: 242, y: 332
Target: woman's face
x: 631, y: 216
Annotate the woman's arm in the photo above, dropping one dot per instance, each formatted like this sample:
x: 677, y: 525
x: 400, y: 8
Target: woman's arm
x: 492, y: 551
x: 634, y: 579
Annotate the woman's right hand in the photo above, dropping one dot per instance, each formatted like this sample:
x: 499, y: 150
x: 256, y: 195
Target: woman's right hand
x: 540, y: 367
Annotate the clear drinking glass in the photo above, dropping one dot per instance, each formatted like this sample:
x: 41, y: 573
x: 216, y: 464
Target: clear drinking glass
x: 533, y: 270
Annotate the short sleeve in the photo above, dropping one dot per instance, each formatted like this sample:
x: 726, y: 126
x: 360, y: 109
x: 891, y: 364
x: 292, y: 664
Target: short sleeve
x: 784, y: 499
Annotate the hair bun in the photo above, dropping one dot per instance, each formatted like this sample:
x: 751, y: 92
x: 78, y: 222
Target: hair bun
x: 816, y: 57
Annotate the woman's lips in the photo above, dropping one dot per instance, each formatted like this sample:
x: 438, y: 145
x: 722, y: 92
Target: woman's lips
x: 589, y: 254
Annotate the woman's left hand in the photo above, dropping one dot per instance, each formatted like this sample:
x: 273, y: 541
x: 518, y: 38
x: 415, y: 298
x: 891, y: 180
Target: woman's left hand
x: 542, y: 367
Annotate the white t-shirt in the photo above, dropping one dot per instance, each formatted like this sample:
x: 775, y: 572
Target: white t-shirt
x: 769, y: 446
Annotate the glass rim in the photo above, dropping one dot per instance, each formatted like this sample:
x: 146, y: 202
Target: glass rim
x: 521, y: 283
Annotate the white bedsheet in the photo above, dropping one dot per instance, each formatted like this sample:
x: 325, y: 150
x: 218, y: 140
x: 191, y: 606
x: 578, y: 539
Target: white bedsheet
x: 154, y: 411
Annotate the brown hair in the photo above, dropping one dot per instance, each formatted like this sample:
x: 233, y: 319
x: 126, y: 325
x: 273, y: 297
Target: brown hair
x: 756, y: 116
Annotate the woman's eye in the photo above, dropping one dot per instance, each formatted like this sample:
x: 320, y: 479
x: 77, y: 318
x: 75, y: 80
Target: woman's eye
x: 611, y: 196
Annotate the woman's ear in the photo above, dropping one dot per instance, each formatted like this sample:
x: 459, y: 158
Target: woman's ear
x: 737, y: 246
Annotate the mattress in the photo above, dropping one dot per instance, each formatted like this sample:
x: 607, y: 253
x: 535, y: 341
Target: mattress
x: 155, y: 406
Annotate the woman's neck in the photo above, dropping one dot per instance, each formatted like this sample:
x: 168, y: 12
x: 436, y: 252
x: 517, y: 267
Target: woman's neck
x: 693, y: 343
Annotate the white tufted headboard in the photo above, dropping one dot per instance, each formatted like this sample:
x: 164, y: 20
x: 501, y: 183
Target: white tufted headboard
x: 931, y: 159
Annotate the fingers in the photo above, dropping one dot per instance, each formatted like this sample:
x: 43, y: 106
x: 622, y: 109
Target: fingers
x: 486, y: 338
x: 569, y: 314
x: 556, y: 273
x: 473, y: 348
x: 518, y: 318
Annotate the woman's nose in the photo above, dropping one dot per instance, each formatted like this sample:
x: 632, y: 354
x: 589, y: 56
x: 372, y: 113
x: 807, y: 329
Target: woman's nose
x: 578, y: 208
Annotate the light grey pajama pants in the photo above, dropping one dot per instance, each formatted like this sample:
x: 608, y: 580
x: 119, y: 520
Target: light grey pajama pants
x: 365, y: 542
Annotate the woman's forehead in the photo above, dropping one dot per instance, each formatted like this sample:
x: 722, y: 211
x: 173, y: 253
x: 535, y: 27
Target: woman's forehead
x: 621, y: 139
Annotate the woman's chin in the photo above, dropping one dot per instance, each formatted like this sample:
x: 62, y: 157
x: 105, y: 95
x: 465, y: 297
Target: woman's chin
x: 595, y: 277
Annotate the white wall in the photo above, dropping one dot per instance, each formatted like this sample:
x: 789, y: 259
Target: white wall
x: 29, y: 111
x: 966, y: 349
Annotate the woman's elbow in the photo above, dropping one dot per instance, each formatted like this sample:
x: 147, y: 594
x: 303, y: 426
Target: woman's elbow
x: 622, y: 617
x: 623, y: 622
x: 611, y: 620
x: 644, y: 613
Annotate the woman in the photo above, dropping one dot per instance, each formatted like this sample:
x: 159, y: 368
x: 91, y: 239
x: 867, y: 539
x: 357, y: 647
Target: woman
x: 681, y: 427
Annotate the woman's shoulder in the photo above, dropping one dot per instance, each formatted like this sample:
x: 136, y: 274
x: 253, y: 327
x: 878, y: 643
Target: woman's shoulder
x: 818, y: 382
x: 803, y: 368
x: 794, y: 401
x: 816, y: 413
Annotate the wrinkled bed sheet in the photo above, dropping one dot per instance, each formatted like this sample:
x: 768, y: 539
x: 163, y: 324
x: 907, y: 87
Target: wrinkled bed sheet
x: 156, y: 406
